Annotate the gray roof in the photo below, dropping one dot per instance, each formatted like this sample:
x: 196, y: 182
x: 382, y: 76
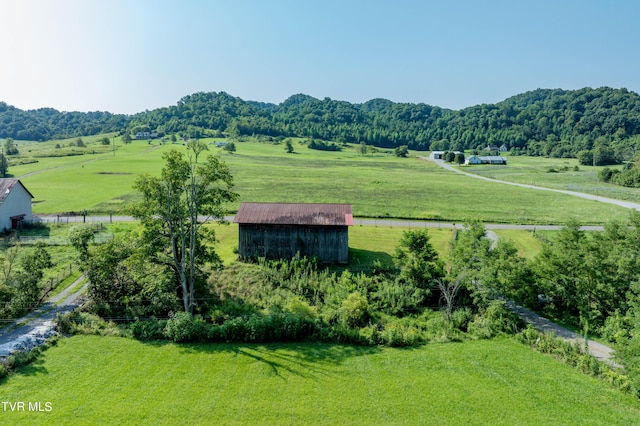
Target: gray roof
x: 7, y: 185
x: 295, y: 214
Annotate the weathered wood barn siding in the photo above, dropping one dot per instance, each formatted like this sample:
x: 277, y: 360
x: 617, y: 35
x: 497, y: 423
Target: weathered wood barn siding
x: 280, y: 231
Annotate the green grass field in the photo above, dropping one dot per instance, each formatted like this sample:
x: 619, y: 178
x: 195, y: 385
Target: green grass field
x: 378, y: 185
x: 368, y: 243
x: 110, y: 380
x: 536, y: 171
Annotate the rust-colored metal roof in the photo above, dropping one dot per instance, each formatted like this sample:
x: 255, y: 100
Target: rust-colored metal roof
x: 6, y: 186
x: 295, y: 214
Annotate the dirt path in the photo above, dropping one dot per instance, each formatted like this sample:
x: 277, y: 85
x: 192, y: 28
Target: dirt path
x: 33, y: 329
x: 621, y: 203
x: 598, y: 350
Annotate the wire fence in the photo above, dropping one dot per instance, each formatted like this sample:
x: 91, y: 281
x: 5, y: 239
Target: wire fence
x: 61, y: 240
x: 79, y: 218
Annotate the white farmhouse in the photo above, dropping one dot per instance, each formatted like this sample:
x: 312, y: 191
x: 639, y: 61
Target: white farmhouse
x: 15, y: 204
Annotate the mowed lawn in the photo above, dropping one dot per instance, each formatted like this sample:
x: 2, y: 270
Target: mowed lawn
x: 110, y: 380
x: 378, y: 185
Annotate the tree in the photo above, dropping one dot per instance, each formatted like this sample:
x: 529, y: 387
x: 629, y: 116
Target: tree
x: 174, y: 209
x: 126, y: 138
x: 448, y: 292
x: 585, y: 157
x: 363, y: 149
x: 604, y: 156
x: 230, y: 147
x: 459, y: 158
x: 468, y: 252
x: 401, y: 151
x: 587, y: 276
x: 80, y: 143
x: 105, y: 141
x: 10, y: 147
x: 33, y: 265
x: 4, y: 166
x: 288, y: 146
x: 418, y: 261
x: 80, y: 236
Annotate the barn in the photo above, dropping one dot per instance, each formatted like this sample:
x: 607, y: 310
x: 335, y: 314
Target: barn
x: 15, y: 204
x: 281, y: 230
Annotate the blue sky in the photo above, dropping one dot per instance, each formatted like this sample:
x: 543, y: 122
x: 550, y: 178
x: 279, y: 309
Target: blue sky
x: 126, y: 56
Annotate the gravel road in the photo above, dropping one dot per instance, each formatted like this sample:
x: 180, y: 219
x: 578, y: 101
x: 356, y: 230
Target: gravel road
x: 33, y: 329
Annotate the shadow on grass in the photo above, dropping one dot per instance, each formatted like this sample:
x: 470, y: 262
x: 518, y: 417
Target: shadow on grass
x: 362, y: 260
x: 306, y: 360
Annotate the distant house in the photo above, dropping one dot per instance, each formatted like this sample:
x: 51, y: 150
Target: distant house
x: 143, y: 135
x: 503, y: 148
x: 15, y: 204
x: 220, y: 144
x: 490, y: 159
x: 473, y: 159
x: 491, y: 148
x: 280, y: 231
x: 439, y: 155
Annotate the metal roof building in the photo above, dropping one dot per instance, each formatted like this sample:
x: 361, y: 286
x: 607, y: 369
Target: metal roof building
x: 281, y: 230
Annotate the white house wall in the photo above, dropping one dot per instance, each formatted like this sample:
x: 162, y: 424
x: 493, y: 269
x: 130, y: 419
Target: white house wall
x: 17, y: 202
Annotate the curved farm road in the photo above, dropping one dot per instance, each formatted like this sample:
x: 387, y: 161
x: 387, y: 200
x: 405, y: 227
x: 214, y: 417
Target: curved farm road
x: 33, y: 329
x: 598, y: 350
x: 621, y: 203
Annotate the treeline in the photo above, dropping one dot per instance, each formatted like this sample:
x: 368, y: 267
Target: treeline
x: 47, y: 123
x: 556, y: 123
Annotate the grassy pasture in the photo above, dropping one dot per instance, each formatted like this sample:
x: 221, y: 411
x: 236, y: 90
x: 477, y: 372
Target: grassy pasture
x: 536, y: 171
x: 110, y: 380
x: 368, y: 243
x: 378, y: 185
x: 382, y: 185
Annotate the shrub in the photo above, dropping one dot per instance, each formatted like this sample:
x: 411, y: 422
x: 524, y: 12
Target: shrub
x: 301, y: 307
x: 152, y: 329
x: 617, y: 328
x: 77, y: 322
x: 494, y: 320
x: 354, y: 310
x: 183, y: 327
x: 461, y: 318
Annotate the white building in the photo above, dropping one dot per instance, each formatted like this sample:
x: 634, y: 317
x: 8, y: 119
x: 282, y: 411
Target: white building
x: 15, y: 204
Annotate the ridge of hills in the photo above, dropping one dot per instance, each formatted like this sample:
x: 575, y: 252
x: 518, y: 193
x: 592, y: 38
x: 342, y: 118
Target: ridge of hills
x: 551, y: 122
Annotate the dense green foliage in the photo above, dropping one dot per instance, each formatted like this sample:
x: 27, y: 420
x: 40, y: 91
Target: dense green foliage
x: 21, y: 273
x: 554, y: 123
x: 47, y: 123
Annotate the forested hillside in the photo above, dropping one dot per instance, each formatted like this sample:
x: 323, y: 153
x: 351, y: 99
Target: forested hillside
x: 558, y: 123
x: 47, y: 123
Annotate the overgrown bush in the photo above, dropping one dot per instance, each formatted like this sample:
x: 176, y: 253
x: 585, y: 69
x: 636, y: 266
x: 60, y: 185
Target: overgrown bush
x: 354, y: 311
x: 617, y: 328
x: 494, y: 320
x: 77, y: 322
x: 183, y: 327
x: 151, y: 329
x: 572, y: 354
